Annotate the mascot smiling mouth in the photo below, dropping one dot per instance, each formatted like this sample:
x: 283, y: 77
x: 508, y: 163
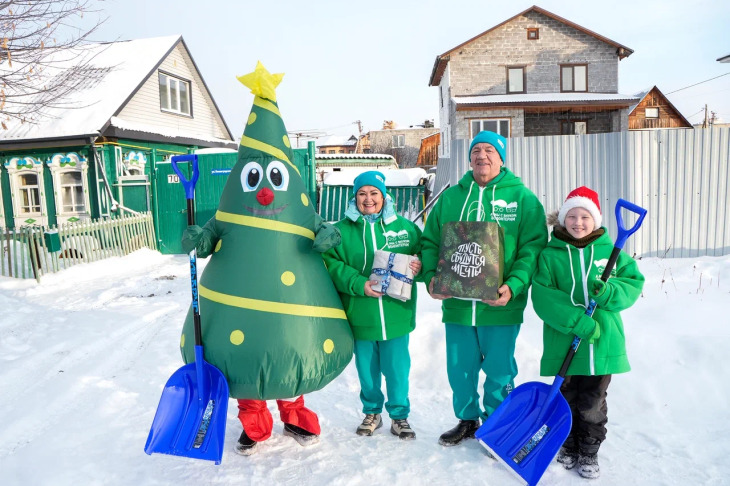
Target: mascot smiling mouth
x: 265, y: 212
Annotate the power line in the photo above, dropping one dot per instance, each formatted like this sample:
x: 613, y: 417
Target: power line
x: 706, y: 80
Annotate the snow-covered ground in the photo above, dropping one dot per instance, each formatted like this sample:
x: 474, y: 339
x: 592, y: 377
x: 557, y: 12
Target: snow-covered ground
x: 84, y: 356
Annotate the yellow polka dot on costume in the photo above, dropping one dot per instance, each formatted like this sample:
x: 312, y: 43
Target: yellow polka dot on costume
x: 288, y: 278
x: 251, y: 118
x: 305, y: 200
x: 286, y: 141
x: 182, y: 341
x: 236, y: 337
x: 329, y: 346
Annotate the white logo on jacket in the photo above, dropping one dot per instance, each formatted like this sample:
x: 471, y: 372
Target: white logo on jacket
x: 397, y: 239
x: 504, y: 211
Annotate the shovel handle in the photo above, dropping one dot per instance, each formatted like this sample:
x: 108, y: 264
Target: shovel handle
x: 623, y: 235
x: 189, y: 185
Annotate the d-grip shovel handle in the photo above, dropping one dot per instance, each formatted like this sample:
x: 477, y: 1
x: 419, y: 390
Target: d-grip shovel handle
x: 189, y: 185
x: 623, y: 235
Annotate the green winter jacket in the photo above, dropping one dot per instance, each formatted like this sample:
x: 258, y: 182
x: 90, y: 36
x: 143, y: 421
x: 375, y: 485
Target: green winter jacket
x: 519, y: 212
x: 560, y: 291
x: 349, y: 265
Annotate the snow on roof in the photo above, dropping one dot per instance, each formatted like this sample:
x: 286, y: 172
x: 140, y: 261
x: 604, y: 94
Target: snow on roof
x: 518, y: 99
x: 168, y: 131
x: 393, y: 177
x: 353, y: 156
x: 114, y: 70
x: 337, y: 140
x: 639, y: 97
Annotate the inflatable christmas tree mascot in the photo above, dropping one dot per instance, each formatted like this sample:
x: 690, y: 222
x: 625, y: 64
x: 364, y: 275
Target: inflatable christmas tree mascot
x: 271, y: 318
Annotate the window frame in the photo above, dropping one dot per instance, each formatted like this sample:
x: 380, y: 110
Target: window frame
x: 646, y: 113
x: 572, y: 73
x: 533, y: 30
x: 524, y: 79
x: 482, y: 121
x: 401, y: 141
x: 74, y: 193
x: 178, y: 80
x: 27, y: 189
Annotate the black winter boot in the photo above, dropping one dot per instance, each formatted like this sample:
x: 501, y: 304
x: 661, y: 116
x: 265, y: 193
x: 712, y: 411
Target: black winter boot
x: 304, y: 437
x: 568, y: 457
x: 465, y: 429
x: 588, y: 466
x: 246, y: 445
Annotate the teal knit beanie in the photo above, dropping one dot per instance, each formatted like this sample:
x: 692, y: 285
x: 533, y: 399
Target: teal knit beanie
x: 370, y: 178
x: 494, y: 139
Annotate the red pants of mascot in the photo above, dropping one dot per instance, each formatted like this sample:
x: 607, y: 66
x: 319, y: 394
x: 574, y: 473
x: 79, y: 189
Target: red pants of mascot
x: 257, y: 421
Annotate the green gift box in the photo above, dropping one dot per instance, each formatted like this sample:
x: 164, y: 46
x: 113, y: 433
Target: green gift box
x: 471, y: 260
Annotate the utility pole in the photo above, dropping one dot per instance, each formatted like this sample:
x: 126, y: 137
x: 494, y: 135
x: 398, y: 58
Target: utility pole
x: 704, y: 123
x: 358, y: 149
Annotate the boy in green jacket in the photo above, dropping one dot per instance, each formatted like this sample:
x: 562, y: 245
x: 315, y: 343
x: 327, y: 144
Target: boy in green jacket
x: 568, y: 275
x: 481, y: 335
x: 380, y: 324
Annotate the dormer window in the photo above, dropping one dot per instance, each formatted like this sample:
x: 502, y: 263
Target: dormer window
x: 533, y: 33
x: 174, y: 94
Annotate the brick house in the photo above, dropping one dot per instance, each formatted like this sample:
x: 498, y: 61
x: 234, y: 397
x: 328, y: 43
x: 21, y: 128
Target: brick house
x: 534, y: 74
x: 402, y: 143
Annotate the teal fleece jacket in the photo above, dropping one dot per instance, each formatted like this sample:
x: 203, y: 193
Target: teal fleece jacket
x: 562, y: 287
x: 349, y: 265
x: 519, y: 212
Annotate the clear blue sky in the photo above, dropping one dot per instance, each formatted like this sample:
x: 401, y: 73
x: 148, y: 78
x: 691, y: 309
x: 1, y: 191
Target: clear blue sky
x: 371, y: 61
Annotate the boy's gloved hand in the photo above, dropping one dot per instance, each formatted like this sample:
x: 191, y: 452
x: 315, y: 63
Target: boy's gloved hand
x: 595, y: 334
x: 599, y: 292
x: 190, y: 237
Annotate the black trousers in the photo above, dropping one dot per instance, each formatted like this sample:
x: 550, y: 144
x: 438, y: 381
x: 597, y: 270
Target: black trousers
x: 586, y: 396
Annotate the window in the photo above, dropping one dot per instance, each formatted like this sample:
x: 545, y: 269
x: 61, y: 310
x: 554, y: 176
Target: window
x: 30, y: 200
x: 399, y: 141
x: 573, y: 128
x: 515, y: 80
x: 651, y: 112
x: 574, y: 78
x: 533, y: 33
x: 497, y: 125
x: 174, y: 94
x: 72, y: 192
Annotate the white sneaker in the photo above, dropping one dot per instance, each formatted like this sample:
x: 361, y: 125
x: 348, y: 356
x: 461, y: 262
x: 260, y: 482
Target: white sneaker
x: 370, y: 423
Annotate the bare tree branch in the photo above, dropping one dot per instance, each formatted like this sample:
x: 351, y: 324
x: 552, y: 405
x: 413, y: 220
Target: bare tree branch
x: 42, y: 54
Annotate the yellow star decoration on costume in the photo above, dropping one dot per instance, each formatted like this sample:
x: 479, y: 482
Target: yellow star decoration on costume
x: 261, y: 82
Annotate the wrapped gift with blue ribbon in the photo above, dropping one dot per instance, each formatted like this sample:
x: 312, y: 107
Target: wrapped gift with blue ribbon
x: 393, y: 273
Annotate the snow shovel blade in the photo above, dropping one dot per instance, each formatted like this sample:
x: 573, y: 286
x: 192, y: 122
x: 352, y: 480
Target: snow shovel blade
x: 526, y: 431
x: 190, y: 422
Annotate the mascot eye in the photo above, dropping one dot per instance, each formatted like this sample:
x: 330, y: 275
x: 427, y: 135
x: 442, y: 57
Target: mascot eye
x: 278, y: 175
x: 251, y: 176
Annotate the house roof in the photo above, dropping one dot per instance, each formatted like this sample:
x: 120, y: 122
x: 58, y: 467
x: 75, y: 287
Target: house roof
x: 547, y: 99
x: 724, y: 58
x: 356, y: 157
x: 337, y: 141
x: 441, y: 61
x: 116, y: 71
x: 642, y: 94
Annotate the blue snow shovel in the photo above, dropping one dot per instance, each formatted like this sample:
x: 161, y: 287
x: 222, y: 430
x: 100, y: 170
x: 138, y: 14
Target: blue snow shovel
x: 191, y: 416
x: 527, y: 430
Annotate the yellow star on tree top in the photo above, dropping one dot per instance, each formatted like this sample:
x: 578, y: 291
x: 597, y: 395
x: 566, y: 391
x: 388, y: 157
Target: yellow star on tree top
x: 261, y: 82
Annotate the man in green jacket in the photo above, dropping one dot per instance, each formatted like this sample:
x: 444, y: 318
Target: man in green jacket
x: 482, y: 334
x: 380, y: 324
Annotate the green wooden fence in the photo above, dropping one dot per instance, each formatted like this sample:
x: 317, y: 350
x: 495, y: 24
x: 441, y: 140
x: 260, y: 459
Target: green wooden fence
x: 33, y: 251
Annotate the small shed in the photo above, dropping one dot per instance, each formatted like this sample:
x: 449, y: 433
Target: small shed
x: 406, y: 186
x: 654, y: 110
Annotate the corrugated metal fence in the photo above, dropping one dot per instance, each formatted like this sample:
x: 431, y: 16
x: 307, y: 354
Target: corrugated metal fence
x: 333, y: 201
x: 682, y: 177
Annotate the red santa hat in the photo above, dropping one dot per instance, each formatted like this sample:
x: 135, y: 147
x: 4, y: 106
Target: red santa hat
x: 585, y: 198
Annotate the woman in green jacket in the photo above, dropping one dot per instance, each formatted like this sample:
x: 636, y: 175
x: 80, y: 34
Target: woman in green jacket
x: 380, y: 324
x: 481, y: 335
x: 568, y: 275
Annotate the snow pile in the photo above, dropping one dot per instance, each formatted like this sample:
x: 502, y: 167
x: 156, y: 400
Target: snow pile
x: 85, y: 354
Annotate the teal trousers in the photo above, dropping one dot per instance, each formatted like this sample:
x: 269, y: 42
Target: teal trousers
x: 390, y: 359
x: 473, y: 348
